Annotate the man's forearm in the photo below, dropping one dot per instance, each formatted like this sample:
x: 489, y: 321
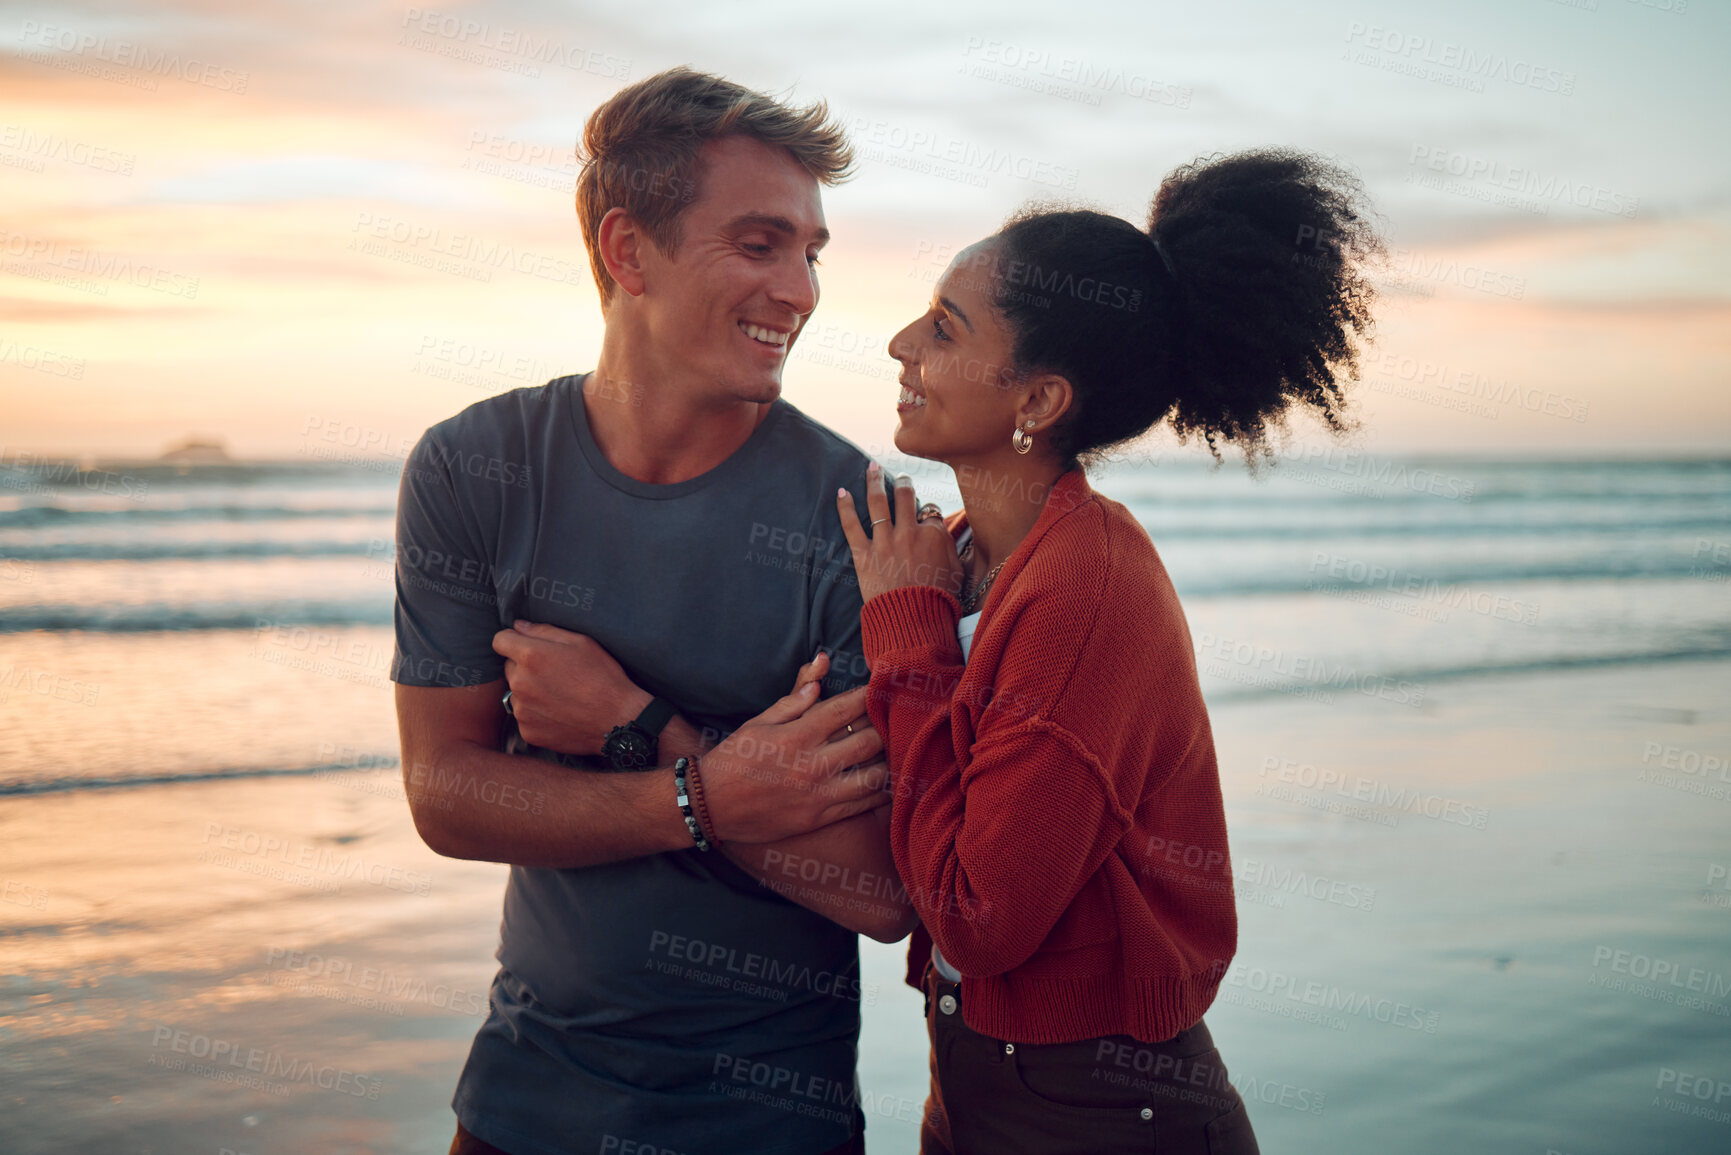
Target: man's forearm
x: 680, y: 739
x: 475, y: 803
x: 843, y: 871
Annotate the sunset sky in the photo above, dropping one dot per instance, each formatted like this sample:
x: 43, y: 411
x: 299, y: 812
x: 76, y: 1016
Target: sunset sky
x: 282, y: 225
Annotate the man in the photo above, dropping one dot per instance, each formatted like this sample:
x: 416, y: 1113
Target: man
x: 654, y: 995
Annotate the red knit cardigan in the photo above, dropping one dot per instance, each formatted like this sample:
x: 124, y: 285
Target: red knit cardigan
x: 1057, y: 815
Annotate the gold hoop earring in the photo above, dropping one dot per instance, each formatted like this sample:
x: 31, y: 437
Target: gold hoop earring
x: 1021, y: 440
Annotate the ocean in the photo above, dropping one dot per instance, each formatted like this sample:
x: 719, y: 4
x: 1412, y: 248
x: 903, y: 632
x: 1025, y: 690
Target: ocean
x: 246, y: 588
x: 1474, y: 719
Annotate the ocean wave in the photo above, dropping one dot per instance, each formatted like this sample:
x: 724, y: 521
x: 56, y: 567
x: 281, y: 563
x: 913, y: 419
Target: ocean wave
x: 183, y: 550
x: 1289, y: 492
x: 1349, y: 678
x: 1432, y: 581
x: 72, y: 475
x: 1259, y: 525
x: 1539, y: 523
x: 71, y: 516
x: 1429, y: 576
x: 1411, y: 681
x: 152, y: 618
x: 61, y: 785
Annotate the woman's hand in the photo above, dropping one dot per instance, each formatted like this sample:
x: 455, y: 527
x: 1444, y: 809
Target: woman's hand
x: 800, y: 765
x: 815, y: 671
x: 899, y: 551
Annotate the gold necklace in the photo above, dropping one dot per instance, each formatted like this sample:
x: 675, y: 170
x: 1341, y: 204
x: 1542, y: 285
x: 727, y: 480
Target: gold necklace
x: 979, y: 591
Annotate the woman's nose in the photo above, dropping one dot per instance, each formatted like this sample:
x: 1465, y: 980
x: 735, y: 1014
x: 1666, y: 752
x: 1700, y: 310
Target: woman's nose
x: 901, y: 348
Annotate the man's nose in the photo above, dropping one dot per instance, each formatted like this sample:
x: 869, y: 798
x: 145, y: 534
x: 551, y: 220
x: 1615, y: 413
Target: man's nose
x: 795, y: 286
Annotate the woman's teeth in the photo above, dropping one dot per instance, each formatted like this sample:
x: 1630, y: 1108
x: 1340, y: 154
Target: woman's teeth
x: 909, y: 397
x: 767, y: 336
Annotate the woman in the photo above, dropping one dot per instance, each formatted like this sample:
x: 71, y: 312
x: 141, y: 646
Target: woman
x: 1057, y: 814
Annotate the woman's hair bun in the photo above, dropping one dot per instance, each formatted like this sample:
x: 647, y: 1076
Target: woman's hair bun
x: 1245, y: 299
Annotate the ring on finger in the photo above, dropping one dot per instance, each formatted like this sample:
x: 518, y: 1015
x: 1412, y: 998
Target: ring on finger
x: 875, y: 520
x: 929, y: 510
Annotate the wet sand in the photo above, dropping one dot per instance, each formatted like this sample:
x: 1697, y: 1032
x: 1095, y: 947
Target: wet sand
x: 1482, y: 923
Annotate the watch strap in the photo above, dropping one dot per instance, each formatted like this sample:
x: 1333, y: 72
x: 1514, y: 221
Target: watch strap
x: 655, y: 717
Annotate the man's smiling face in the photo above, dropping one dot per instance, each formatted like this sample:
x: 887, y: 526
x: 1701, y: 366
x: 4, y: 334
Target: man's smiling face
x: 728, y: 304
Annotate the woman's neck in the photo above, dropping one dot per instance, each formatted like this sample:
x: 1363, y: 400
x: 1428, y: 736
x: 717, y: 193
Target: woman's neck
x: 1003, y: 501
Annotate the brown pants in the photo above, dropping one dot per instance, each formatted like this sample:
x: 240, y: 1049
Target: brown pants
x: 467, y: 1144
x: 1098, y: 1097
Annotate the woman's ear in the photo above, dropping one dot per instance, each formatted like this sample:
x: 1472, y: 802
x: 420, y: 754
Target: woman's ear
x: 620, y: 241
x: 1045, y: 400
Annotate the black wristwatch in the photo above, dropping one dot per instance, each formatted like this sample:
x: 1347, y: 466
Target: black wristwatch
x: 634, y: 746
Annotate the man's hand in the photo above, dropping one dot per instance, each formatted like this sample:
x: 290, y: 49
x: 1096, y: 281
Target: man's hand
x: 797, y: 766
x: 566, y: 689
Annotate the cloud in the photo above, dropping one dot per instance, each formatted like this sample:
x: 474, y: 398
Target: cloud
x: 24, y: 309
x: 283, y: 179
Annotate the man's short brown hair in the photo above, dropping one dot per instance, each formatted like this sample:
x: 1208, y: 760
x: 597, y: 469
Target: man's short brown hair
x: 640, y: 150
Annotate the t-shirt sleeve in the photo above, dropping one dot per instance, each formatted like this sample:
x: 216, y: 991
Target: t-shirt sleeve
x: 446, y: 609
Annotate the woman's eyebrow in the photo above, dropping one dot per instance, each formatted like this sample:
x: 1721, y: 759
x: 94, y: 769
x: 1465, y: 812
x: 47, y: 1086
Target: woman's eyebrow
x: 950, y: 307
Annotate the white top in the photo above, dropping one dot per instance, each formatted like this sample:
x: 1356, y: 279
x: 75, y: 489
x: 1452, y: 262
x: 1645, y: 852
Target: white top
x: 965, y: 634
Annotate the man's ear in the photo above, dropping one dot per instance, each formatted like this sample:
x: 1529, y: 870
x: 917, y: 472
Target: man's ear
x: 1045, y: 399
x: 621, y: 240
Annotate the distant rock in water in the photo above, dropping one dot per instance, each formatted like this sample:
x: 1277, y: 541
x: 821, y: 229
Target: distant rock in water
x: 197, y: 451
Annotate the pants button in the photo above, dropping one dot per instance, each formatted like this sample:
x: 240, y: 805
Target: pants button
x: 1147, y: 1113
x: 947, y: 1004
x: 1009, y: 1048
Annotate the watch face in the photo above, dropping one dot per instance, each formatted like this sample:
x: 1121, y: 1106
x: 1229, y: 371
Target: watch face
x: 628, y: 749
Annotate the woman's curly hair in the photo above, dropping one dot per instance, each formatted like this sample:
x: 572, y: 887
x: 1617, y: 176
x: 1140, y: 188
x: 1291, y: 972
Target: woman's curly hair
x: 1244, y: 299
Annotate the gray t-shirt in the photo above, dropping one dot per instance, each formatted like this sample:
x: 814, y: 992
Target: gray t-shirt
x: 669, y: 1001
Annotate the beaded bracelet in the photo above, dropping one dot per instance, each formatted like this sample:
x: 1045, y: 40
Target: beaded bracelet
x: 701, y: 806
x: 679, y: 769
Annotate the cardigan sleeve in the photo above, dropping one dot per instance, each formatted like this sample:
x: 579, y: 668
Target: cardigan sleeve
x: 996, y: 832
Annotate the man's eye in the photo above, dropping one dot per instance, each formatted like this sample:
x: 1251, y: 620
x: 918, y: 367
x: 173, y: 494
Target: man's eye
x: 938, y: 328
x: 759, y: 249
x: 813, y: 261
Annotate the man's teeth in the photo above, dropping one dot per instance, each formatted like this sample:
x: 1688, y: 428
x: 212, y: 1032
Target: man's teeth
x: 909, y: 397
x: 767, y: 336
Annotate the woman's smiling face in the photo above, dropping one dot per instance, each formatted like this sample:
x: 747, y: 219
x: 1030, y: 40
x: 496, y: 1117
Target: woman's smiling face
x: 959, y: 398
